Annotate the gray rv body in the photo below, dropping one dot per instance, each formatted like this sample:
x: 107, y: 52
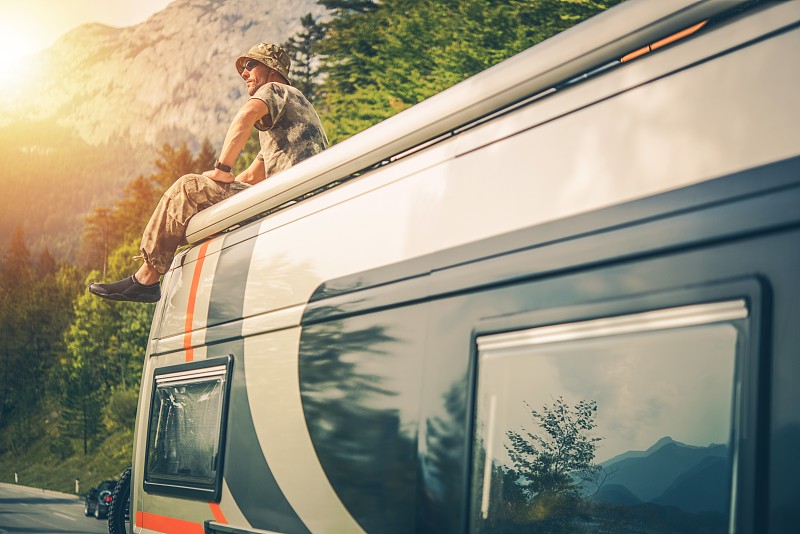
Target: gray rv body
x: 351, y: 334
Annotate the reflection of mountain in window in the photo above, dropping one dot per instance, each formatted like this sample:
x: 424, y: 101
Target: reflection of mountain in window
x: 616, y: 422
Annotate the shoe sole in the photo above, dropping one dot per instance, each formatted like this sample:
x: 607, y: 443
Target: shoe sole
x: 119, y: 297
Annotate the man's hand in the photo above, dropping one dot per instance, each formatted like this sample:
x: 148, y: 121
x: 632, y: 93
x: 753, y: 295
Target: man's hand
x: 254, y: 173
x: 219, y: 176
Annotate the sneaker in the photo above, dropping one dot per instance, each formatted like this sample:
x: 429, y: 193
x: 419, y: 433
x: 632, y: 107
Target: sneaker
x: 128, y: 290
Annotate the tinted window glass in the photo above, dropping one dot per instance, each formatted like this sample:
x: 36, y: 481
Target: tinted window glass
x: 185, y: 429
x: 615, y: 425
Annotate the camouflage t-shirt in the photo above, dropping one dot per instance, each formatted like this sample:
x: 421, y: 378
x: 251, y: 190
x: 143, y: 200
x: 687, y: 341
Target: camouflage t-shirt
x: 291, y: 132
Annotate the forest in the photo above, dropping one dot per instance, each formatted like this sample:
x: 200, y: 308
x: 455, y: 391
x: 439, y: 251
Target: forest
x: 70, y: 363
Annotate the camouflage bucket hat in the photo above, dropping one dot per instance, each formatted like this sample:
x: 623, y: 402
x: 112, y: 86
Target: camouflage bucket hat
x: 273, y: 56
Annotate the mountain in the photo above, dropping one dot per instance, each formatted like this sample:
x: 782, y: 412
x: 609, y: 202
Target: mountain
x: 101, y: 100
x: 692, y: 478
x: 639, y: 454
x: 701, y: 489
x: 170, y: 78
x: 616, y: 494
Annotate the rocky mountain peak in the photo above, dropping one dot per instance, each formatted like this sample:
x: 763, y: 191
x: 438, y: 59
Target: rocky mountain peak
x: 170, y: 78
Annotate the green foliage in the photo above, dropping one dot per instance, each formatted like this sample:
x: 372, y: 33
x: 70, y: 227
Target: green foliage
x: 174, y: 162
x: 121, y: 411
x: 35, y: 308
x: 51, y: 178
x: 379, y: 58
x: 43, y: 466
x: 251, y: 149
x: 105, y: 346
x: 561, y: 457
x: 552, y: 460
x: 302, y: 48
x: 105, y: 343
x: 205, y: 158
x: 105, y: 228
x: 373, y: 106
x: 100, y: 235
x: 70, y: 363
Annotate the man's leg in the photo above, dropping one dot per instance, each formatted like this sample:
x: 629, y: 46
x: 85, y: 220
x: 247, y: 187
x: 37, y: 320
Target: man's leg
x: 165, y: 231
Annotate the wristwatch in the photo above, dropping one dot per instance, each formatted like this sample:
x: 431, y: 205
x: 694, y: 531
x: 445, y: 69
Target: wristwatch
x: 222, y: 166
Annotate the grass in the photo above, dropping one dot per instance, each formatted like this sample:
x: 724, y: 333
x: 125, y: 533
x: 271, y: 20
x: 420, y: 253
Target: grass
x: 38, y: 467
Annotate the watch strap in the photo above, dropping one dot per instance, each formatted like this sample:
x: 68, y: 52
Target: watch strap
x: 222, y: 166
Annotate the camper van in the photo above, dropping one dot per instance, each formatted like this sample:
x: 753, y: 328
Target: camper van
x: 560, y: 296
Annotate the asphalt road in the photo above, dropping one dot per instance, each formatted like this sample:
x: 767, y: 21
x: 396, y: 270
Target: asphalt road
x: 37, y: 511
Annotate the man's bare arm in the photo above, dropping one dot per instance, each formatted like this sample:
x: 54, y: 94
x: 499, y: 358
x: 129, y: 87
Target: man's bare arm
x: 237, y: 135
x: 254, y: 173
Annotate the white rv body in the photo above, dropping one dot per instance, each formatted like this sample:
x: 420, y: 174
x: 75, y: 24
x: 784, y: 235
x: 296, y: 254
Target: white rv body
x: 524, y: 197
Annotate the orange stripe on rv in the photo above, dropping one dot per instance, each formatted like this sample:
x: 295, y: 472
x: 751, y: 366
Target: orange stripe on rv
x: 680, y: 35
x: 198, y: 269
x: 219, y: 517
x: 167, y: 525
x: 663, y: 42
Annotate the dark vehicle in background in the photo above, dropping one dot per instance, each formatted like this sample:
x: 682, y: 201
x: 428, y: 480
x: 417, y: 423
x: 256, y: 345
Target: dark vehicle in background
x: 98, y: 499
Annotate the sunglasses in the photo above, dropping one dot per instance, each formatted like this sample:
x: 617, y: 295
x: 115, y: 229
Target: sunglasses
x: 251, y: 64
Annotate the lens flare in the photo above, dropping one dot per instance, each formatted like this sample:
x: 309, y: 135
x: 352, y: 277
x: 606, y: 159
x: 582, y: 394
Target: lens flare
x: 16, y: 45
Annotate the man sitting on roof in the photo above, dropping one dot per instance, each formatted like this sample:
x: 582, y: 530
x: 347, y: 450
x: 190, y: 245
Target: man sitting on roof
x: 289, y: 131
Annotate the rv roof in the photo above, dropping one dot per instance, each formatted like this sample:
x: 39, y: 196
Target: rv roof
x: 594, y: 42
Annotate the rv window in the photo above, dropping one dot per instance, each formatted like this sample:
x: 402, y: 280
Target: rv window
x: 185, y: 439
x: 622, y: 424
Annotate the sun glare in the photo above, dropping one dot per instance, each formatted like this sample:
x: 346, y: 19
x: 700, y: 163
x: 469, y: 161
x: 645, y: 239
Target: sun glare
x: 15, y: 47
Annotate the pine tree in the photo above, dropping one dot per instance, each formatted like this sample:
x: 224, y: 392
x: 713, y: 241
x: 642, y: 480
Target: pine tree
x: 380, y: 58
x: 46, y: 263
x: 205, y: 157
x: 172, y: 163
x: 18, y: 390
x: 35, y: 307
x: 100, y: 233
x: 132, y: 211
x: 302, y: 48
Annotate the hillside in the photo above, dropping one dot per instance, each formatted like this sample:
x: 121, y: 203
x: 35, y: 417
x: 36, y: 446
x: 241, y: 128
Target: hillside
x: 41, y: 468
x: 113, y: 95
x: 168, y: 79
x: 672, y: 474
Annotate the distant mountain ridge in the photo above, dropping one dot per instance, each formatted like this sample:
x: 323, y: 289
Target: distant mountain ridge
x: 101, y: 100
x: 669, y: 473
x: 170, y: 78
x: 701, y: 489
x: 666, y: 440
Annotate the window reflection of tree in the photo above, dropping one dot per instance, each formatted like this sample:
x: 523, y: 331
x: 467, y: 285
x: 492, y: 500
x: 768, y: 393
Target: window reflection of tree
x: 553, y: 483
x: 552, y: 471
x: 561, y: 460
x: 443, y: 462
x: 358, y: 435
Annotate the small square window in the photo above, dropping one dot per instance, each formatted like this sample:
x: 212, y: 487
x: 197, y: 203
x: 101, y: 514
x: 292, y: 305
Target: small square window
x: 185, y: 436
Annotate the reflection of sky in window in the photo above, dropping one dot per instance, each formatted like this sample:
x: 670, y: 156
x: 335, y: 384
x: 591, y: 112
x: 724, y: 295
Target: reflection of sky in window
x: 676, y: 383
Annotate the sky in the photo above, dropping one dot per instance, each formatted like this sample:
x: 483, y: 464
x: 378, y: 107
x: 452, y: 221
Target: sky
x: 28, y: 26
x: 675, y: 383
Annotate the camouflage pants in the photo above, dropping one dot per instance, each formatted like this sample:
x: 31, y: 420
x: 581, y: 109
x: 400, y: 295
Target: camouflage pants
x: 166, y: 230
